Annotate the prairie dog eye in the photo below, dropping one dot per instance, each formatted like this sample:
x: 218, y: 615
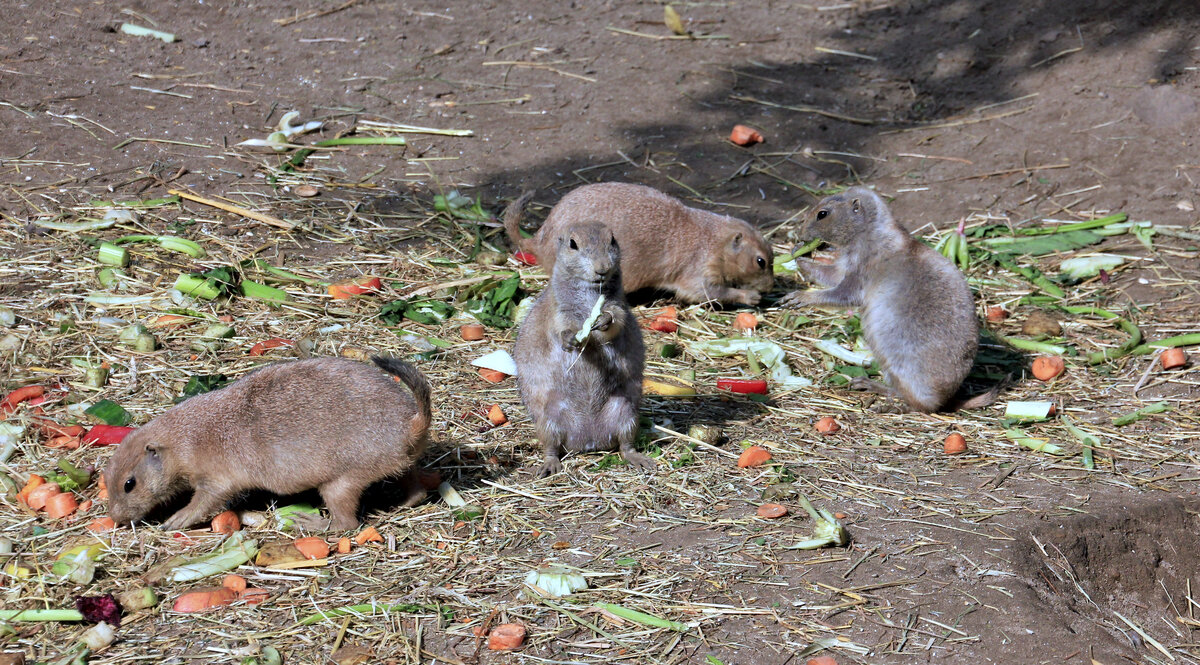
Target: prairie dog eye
x: 130, y: 484
x: 762, y: 263
x: 822, y: 214
x: 573, y: 245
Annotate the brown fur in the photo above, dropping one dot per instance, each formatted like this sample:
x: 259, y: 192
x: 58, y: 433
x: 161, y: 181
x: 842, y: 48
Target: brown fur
x: 699, y: 255
x: 328, y: 423
x: 918, y: 316
x: 582, y: 396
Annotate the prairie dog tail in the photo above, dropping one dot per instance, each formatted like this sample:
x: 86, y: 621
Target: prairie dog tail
x: 977, y: 402
x: 417, y: 383
x: 512, y: 222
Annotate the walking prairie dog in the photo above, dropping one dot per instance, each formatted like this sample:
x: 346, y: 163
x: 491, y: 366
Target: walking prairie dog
x: 918, y: 316
x: 328, y: 423
x: 582, y: 394
x: 699, y: 255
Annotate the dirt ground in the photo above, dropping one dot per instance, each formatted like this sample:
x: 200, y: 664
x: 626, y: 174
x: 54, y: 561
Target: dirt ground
x: 955, y: 109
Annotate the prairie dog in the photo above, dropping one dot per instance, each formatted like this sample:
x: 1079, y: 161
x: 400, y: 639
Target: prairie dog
x: 334, y: 424
x: 582, y: 395
x: 699, y: 255
x: 918, y: 316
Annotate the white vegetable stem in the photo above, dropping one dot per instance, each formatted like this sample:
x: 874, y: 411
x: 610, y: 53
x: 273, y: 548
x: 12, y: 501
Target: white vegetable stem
x: 590, y: 321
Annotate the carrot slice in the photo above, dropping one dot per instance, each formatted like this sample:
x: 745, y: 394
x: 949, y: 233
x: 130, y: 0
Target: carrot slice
x: 273, y: 343
x: 235, y: 583
x: 33, y: 483
x: 60, y: 505
x: 23, y: 394
x: 771, y: 511
x: 102, y: 524
x: 496, y: 415
x: 355, y: 287
x: 106, y: 435
x: 67, y: 442
x: 204, y: 599
x: 753, y: 456
x: 491, y: 375
x: 368, y: 535
x: 226, y: 522
x: 312, y: 547
x: 506, y: 636
x: 41, y: 494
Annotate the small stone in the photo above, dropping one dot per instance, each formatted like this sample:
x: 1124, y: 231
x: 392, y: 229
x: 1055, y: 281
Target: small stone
x: 490, y: 258
x: 706, y: 433
x: 307, y: 191
x: 1041, y: 324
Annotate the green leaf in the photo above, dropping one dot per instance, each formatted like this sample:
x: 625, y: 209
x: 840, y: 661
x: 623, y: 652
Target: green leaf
x: 202, y: 383
x: 421, y: 310
x: 1039, y: 245
x: 1083, y: 267
x: 224, y: 277
x: 1157, y: 407
x: 109, y: 413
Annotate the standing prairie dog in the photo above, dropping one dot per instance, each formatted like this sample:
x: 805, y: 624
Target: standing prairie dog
x: 582, y: 394
x: 334, y: 424
x: 699, y: 255
x: 918, y: 316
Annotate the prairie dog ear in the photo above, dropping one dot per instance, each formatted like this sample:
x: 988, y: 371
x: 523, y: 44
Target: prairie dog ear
x: 737, y: 241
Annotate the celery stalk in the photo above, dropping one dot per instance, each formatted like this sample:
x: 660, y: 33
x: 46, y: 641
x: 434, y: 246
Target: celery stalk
x: 194, y: 285
x: 1031, y: 443
x: 173, y: 243
x: 262, y: 291
x: 40, y: 615
x: 643, y: 618
x: 112, y: 255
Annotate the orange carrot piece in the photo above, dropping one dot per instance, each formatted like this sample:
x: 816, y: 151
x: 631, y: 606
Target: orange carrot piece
x: 102, y: 524
x: 771, y: 511
x: 60, y: 505
x: 235, y: 583
x: 491, y: 375
x: 753, y: 456
x: 204, y: 599
x: 226, y: 522
x: 368, y: 535
x: 41, y: 494
x: 312, y: 547
x: 472, y: 332
x: 33, y: 483
x: 25, y: 393
x: 65, y: 442
x: 343, y: 546
x: 827, y: 425
x: 496, y: 415
x: 506, y: 636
